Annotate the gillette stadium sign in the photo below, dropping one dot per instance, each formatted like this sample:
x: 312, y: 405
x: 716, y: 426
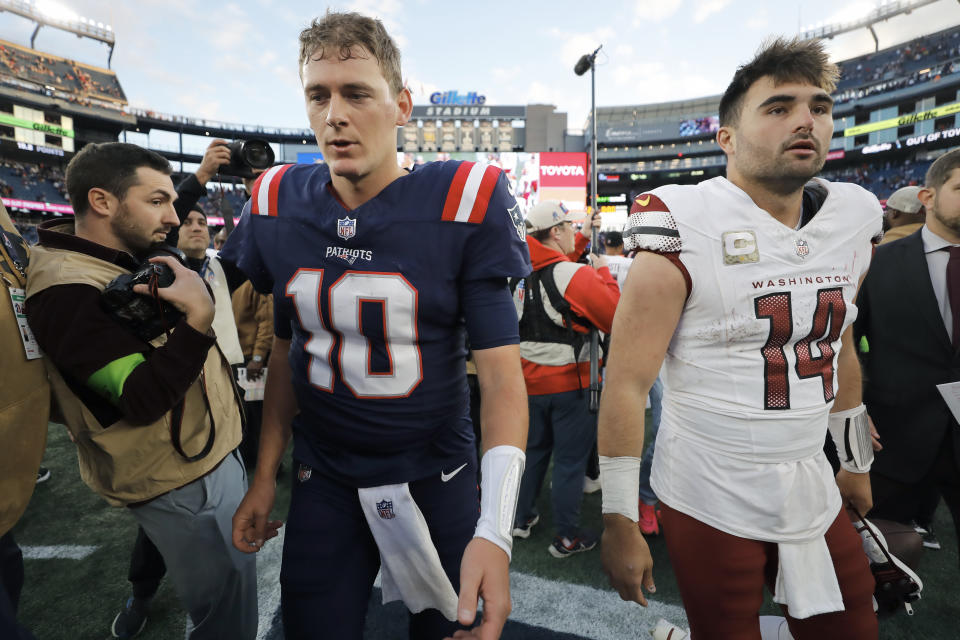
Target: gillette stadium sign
x: 453, y: 98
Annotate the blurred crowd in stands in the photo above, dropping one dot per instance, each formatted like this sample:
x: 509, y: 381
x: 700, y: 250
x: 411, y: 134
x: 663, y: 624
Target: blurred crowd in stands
x: 926, y: 58
x: 37, y: 182
x: 65, y: 75
x: 881, y: 178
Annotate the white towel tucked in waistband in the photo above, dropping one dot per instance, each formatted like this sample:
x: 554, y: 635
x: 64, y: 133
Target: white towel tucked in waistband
x: 806, y: 579
x: 410, y: 568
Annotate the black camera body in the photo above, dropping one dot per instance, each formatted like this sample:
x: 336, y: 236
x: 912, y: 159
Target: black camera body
x: 146, y: 316
x: 247, y: 155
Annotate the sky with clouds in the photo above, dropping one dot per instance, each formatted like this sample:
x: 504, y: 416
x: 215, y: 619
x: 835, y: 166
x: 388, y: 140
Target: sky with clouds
x: 236, y: 61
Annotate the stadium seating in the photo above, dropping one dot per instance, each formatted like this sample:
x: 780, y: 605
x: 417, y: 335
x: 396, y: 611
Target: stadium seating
x: 922, y: 59
x: 65, y: 75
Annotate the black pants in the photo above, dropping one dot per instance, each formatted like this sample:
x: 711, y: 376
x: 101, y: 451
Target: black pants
x: 146, y: 567
x: 898, y: 501
x: 11, y: 582
x: 330, y: 558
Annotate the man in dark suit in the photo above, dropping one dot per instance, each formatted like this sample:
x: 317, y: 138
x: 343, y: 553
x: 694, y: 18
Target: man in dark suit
x: 910, y: 313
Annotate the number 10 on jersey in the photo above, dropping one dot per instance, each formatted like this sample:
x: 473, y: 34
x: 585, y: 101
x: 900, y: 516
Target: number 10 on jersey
x: 346, y: 298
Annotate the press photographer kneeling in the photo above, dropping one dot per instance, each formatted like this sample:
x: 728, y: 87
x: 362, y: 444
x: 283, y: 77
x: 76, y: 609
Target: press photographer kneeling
x: 149, y: 400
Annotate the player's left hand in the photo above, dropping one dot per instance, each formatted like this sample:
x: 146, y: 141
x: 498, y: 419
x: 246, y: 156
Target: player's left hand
x: 855, y: 490
x: 484, y: 573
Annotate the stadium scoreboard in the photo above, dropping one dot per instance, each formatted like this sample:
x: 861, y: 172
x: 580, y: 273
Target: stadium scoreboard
x: 36, y: 130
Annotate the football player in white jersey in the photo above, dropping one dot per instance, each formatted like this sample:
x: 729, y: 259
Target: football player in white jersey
x: 742, y: 289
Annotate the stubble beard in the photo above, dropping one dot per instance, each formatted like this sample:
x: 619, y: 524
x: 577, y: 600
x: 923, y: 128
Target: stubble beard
x: 953, y: 224
x: 127, y: 231
x: 774, y: 173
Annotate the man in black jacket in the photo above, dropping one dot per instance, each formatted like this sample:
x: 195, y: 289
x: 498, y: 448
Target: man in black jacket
x: 910, y: 313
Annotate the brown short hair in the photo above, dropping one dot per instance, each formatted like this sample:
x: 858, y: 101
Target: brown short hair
x: 340, y: 32
x: 793, y: 60
x: 111, y: 166
x: 939, y: 171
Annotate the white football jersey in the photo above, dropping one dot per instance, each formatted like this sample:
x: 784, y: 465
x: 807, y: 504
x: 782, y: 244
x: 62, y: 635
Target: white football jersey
x: 619, y: 267
x: 750, y: 373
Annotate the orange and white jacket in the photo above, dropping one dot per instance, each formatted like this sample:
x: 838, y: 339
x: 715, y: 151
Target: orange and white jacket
x: 550, y: 367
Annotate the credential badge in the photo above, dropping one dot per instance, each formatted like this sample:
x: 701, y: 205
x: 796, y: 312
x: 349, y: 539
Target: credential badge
x: 385, y: 509
x: 803, y: 249
x: 346, y: 227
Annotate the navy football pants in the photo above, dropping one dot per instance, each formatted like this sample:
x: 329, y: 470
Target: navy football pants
x: 330, y: 559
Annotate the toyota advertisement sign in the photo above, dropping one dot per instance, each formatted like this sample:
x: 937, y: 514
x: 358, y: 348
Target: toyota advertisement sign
x: 532, y: 176
x: 564, y: 177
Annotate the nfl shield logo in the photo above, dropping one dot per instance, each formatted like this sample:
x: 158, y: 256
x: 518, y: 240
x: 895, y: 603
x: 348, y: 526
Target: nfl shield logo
x: 803, y: 249
x: 346, y: 227
x: 304, y: 473
x: 385, y: 509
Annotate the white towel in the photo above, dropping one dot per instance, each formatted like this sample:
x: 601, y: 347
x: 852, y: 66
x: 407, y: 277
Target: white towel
x: 806, y: 579
x: 410, y: 568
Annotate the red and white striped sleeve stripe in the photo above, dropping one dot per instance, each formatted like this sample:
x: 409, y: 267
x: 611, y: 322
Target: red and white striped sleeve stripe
x: 266, y: 191
x: 470, y: 192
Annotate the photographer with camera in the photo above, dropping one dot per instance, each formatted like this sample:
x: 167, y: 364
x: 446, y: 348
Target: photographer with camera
x: 146, y: 393
x: 242, y: 159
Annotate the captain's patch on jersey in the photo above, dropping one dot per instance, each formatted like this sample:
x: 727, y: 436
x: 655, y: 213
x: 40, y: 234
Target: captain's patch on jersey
x: 740, y: 247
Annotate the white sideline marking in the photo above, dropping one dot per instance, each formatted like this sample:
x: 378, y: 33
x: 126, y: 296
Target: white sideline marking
x: 558, y: 606
x: 57, y: 552
x: 585, y: 611
x: 268, y: 583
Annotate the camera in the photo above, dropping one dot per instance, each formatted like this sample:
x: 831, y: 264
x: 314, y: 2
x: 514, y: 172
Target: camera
x: 146, y: 316
x: 247, y: 155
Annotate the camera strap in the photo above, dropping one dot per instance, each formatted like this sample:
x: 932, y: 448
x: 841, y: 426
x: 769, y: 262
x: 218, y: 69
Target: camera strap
x: 177, y: 424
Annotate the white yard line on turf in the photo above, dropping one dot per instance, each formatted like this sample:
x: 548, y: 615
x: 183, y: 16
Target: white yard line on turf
x: 58, y: 552
x: 561, y: 607
x: 585, y: 611
x: 268, y: 583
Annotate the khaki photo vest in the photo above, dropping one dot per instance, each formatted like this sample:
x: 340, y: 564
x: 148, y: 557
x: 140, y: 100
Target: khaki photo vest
x: 127, y: 463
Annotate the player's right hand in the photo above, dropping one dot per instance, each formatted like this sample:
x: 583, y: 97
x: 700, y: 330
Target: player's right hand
x: 626, y: 558
x: 251, y: 527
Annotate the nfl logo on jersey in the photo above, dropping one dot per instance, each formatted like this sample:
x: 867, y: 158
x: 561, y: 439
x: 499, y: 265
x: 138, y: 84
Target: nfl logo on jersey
x: 346, y: 227
x: 803, y: 249
x: 385, y: 509
x: 304, y: 473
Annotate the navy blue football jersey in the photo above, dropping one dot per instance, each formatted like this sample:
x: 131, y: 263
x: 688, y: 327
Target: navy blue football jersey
x: 372, y: 301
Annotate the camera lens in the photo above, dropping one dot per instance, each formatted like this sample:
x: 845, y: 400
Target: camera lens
x: 257, y: 154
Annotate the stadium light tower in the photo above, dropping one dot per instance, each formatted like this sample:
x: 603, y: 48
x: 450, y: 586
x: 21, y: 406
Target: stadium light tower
x: 884, y: 11
x: 49, y: 13
x: 588, y: 61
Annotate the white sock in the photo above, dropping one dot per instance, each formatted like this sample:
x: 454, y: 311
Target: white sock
x: 774, y: 628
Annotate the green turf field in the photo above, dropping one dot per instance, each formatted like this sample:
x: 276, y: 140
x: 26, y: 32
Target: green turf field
x: 77, y: 599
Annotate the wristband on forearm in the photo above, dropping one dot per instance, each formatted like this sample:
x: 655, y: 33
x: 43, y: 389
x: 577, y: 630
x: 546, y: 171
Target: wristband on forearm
x: 501, y: 469
x: 851, y: 435
x: 620, y: 483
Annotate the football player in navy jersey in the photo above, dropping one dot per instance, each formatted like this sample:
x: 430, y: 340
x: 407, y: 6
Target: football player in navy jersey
x: 378, y: 274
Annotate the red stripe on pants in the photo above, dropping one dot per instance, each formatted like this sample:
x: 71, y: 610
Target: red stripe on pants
x: 721, y: 579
